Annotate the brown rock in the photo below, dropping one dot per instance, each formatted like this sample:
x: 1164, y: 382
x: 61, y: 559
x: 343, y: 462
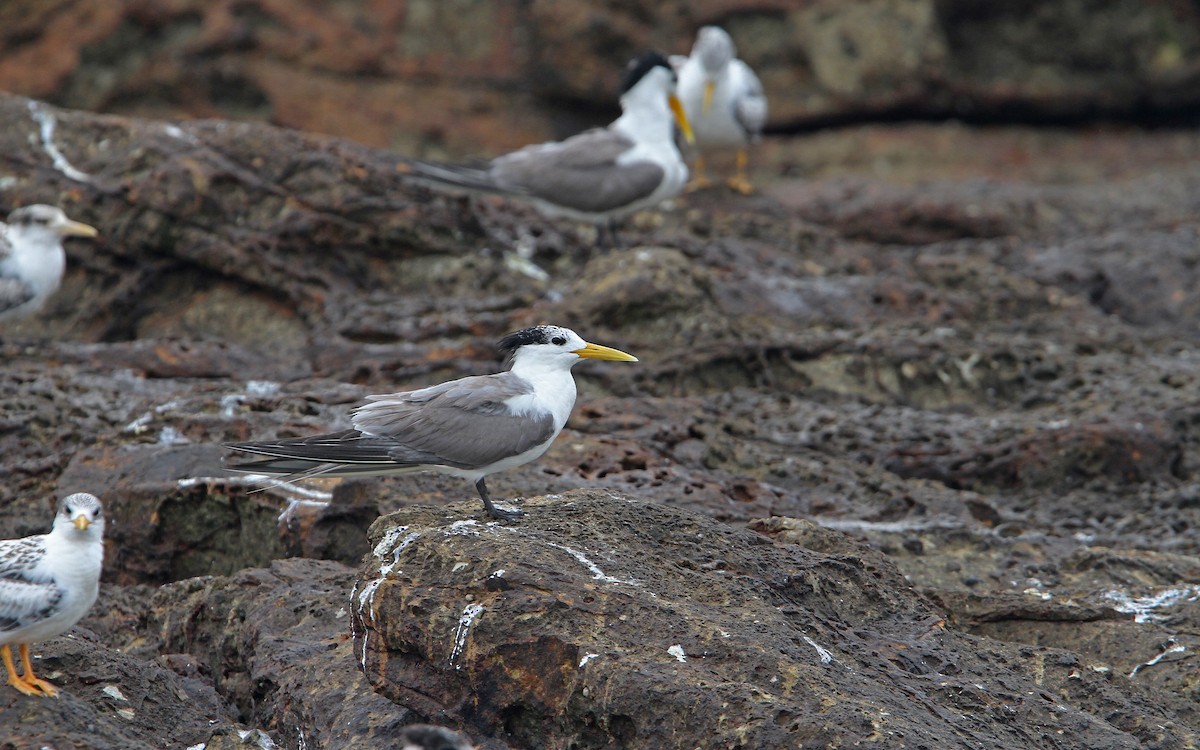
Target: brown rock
x: 602, y: 621
x: 472, y: 77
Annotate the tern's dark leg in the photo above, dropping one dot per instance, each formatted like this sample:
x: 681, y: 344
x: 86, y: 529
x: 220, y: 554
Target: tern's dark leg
x: 607, y: 237
x: 614, y: 235
x: 492, y: 510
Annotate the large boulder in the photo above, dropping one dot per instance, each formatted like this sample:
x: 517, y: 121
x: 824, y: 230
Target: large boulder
x: 603, y: 621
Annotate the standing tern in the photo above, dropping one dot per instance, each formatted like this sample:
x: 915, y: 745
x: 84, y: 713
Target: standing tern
x: 470, y: 427
x: 48, y: 583
x: 601, y: 175
x: 724, y: 101
x: 32, y: 258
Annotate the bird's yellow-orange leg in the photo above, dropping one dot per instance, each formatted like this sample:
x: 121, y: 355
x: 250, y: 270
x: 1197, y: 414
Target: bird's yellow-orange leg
x: 740, y: 182
x: 33, y: 680
x: 699, y: 179
x: 14, y: 679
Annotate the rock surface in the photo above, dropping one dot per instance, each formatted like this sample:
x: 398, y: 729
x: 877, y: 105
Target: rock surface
x: 605, y: 621
x: 438, y: 77
x: 949, y: 379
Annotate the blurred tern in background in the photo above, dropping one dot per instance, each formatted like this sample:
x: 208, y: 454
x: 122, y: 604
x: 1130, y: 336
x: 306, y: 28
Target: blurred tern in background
x: 601, y: 175
x: 724, y: 102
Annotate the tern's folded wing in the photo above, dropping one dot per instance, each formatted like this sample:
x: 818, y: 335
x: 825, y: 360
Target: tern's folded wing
x: 584, y: 173
x: 13, y: 293
x: 750, y: 106
x: 466, y: 423
x: 27, y: 595
x: 19, y: 558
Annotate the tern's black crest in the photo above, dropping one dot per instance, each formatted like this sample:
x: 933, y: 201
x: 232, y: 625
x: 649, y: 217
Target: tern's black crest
x: 536, y: 335
x: 639, y: 66
x: 31, y: 215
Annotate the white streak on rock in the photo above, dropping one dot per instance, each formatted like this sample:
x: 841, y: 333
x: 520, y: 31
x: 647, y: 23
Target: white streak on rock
x: 470, y: 613
x: 366, y: 597
x: 46, y: 125
x: 1175, y: 649
x: 1142, y: 607
x: 824, y: 653
x: 597, y: 574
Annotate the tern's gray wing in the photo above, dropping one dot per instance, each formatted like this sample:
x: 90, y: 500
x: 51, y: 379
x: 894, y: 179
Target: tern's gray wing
x: 26, y: 596
x: 750, y: 107
x: 5, y: 243
x: 580, y: 173
x: 19, y: 557
x: 466, y: 423
x: 13, y: 293
x: 23, y: 604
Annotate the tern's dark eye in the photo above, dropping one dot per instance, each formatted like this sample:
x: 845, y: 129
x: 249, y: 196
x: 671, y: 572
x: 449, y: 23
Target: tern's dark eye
x: 558, y: 340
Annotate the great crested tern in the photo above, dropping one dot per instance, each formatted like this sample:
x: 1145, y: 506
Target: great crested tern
x: 601, y: 175
x: 32, y: 260
x: 470, y: 427
x: 724, y: 101
x: 48, y: 583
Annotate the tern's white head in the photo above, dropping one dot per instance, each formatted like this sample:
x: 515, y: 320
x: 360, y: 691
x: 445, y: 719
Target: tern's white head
x: 715, y: 49
x: 80, y: 517
x: 648, y: 82
x: 40, y: 225
x: 554, y: 348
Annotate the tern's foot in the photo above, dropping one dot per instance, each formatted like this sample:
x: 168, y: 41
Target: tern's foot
x: 699, y: 182
x: 741, y: 185
x: 40, y: 685
x: 35, y: 690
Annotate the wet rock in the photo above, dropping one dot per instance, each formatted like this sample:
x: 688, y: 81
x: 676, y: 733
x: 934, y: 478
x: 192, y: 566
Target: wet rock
x: 961, y: 371
x: 278, y: 644
x: 555, y: 630
x: 110, y: 700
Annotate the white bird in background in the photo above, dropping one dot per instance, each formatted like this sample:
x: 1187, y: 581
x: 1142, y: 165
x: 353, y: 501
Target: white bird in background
x: 724, y: 102
x: 601, y: 175
x: 48, y: 583
x: 32, y: 260
x: 470, y: 427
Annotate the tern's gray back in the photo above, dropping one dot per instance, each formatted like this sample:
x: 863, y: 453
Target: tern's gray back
x: 580, y: 173
x: 466, y: 422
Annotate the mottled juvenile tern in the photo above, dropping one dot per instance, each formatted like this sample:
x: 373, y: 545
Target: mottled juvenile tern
x: 724, y: 101
x: 470, y: 427
x: 48, y: 583
x: 600, y: 175
x: 32, y: 258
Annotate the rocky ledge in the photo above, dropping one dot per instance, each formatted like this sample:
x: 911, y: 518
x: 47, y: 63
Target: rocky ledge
x: 909, y: 459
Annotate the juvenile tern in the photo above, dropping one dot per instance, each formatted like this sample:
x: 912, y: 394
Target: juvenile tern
x: 724, y: 101
x: 48, y: 582
x: 601, y: 175
x: 32, y: 258
x: 470, y: 427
